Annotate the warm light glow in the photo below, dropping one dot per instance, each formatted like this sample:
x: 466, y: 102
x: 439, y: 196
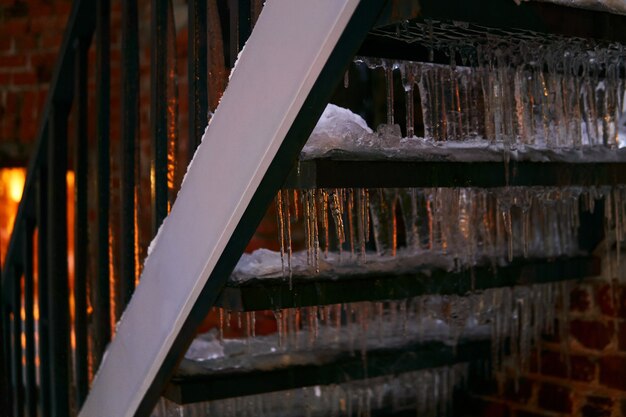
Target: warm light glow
x: 11, y: 187
x: 15, y: 179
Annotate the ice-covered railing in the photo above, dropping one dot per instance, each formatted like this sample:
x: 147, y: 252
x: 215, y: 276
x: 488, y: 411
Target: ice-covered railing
x: 515, y: 88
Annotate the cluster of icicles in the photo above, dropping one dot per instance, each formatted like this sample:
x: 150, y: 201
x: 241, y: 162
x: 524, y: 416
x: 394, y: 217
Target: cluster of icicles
x: 514, y: 92
x: 469, y: 224
x: 428, y: 392
x: 513, y: 318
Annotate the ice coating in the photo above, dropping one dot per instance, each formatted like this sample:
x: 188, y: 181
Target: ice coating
x: 428, y: 392
x: 614, y: 6
x: 514, y: 91
x: 443, y: 228
x: 512, y: 318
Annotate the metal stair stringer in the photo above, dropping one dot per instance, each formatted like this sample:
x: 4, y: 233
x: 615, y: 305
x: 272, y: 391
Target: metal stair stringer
x: 292, y: 62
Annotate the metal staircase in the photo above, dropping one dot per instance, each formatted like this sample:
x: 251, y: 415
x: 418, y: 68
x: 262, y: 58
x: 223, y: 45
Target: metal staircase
x: 293, y: 60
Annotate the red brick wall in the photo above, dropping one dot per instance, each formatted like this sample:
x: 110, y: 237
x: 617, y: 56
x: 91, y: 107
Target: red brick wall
x: 587, y: 381
x: 30, y: 35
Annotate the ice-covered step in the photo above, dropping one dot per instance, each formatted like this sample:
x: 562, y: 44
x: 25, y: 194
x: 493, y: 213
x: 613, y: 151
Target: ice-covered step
x: 426, y: 392
x: 208, y: 380
x: 343, y: 151
x: 324, y: 345
x: 396, y: 36
x: 391, y: 278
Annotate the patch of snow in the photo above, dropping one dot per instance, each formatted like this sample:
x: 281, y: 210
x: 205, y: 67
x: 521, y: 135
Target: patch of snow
x: 336, y: 126
x: 205, y: 347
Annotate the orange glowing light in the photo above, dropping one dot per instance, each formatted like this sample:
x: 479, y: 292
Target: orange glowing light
x: 11, y: 187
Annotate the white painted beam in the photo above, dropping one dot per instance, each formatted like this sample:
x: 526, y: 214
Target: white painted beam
x: 289, y: 46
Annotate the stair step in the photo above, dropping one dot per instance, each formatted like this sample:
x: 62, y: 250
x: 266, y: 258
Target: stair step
x: 326, y: 289
x: 196, y: 381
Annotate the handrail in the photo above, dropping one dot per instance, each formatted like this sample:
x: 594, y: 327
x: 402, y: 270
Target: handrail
x: 54, y: 398
x: 81, y: 24
x: 43, y: 210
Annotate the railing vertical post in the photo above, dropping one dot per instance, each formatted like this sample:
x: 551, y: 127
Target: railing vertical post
x: 58, y: 291
x: 102, y: 293
x: 233, y: 32
x: 244, y: 23
x: 158, y: 110
x: 29, y: 320
x: 80, y: 221
x: 197, y: 72
x: 16, y: 330
x: 5, y: 348
x: 130, y: 120
x: 42, y: 287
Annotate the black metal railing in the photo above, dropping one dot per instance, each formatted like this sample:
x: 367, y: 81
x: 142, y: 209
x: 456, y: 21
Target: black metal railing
x: 51, y: 348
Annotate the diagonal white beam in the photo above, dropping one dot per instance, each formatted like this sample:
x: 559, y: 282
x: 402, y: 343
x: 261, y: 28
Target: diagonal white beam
x: 283, y: 58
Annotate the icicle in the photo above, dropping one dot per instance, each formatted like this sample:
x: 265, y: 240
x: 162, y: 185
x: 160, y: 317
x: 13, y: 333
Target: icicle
x: 248, y: 327
x: 351, y: 208
x: 278, y: 315
x: 307, y: 226
x: 504, y: 203
x: 316, y: 236
x: 297, y: 320
x: 390, y: 100
x: 403, y: 314
x: 362, y: 221
x: 431, y: 51
x: 221, y: 318
x: 379, y: 306
x: 337, y: 214
x: 408, y: 81
x: 296, y: 214
x: 618, y: 224
x: 287, y: 204
x: 281, y: 228
x: 337, y: 313
x: 253, y: 317
x: 322, y: 199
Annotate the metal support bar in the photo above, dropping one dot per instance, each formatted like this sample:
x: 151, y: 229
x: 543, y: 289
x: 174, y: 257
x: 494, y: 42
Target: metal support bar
x: 244, y: 22
x: 130, y: 130
x: 42, y: 288
x: 29, y: 322
x: 233, y: 35
x: 16, y: 333
x: 342, y: 172
x: 158, y: 110
x: 102, y: 304
x: 5, y: 349
x: 197, y: 72
x: 58, y: 294
x: 80, y: 221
